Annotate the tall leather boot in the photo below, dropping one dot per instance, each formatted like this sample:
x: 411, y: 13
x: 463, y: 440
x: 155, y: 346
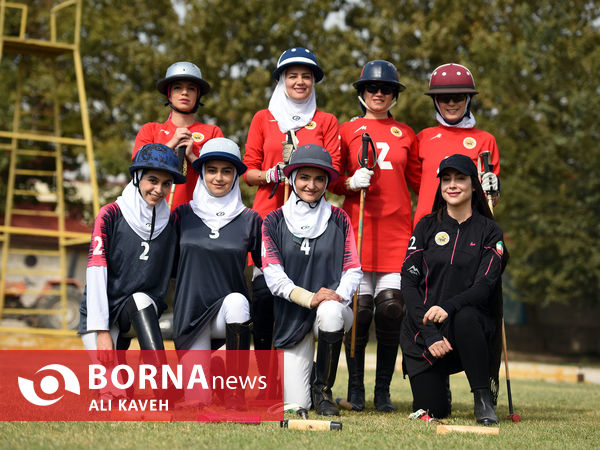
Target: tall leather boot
x: 328, y: 355
x: 356, y: 374
x: 356, y: 365
x: 386, y: 363
x: 145, y: 324
x: 484, y: 407
x: 237, y: 337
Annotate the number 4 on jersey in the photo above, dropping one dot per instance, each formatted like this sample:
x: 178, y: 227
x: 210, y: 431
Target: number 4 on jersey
x: 305, y: 246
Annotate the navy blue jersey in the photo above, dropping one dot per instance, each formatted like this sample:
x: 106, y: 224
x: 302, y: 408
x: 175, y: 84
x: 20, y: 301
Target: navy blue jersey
x: 310, y: 264
x: 129, y: 263
x: 210, y: 265
x: 451, y: 265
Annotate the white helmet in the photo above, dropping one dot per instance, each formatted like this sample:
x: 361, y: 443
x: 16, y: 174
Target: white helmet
x: 222, y: 149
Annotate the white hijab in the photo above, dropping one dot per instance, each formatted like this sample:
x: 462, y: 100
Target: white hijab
x: 291, y: 115
x: 216, y: 212
x: 302, y: 220
x: 138, y: 213
x: 465, y: 122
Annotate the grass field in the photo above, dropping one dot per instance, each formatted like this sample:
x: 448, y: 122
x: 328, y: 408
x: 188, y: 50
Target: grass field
x: 555, y: 415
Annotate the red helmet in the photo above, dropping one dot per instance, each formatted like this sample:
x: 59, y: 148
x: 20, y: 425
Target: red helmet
x: 451, y: 79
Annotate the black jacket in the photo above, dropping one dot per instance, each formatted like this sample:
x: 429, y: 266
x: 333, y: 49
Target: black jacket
x: 451, y: 265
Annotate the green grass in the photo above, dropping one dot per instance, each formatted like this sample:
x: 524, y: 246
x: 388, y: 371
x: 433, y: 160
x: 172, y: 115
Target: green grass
x: 555, y: 415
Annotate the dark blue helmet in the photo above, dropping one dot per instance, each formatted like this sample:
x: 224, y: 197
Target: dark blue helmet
x: 157, y: 157
x: 311, y: 155
x: 298, y: 56
x: 379, y: 71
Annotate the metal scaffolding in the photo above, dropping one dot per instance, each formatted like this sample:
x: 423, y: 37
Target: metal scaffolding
x: 26, y: 147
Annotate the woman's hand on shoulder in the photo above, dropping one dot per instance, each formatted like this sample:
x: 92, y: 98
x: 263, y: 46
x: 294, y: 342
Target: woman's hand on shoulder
x: 435, y: 314
x: 322, y: 295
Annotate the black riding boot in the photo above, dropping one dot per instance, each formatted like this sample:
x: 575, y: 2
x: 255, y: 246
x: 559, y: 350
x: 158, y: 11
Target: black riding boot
x: 356, y: 375
x: 328, y: 355
x: 484, y: 407
x: 237, y: 337
x: 386, y: 363
x: 145, y: 324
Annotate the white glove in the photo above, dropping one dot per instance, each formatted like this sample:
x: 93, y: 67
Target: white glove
x: 275, y: 173
x: 489, y: 182
x: 361, y: 179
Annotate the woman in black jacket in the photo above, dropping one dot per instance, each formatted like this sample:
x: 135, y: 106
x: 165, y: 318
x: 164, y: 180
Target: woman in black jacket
x: 451, y: 287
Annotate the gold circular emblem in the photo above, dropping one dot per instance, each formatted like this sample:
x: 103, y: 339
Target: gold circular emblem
x: 197, y: 137
x: 310, y: 125
x: 442, y: 238
x: 396, y: 131
x: 469, y: 142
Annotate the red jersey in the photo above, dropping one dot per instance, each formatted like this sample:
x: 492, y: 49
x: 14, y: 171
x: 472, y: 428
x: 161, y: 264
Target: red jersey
x: 437, y: 143
x: 264, y: 147
x: 161, y: 133
x: 387, y: 215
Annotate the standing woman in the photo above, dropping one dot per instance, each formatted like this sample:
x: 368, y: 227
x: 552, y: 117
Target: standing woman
x: 311, y: 266
x: 216, y: 232
x: 183, y: 87
x: 452, y: 88
x: 293, y: 107
x: 387, y: 223
x: 131, y: 256
x: 452, y: 289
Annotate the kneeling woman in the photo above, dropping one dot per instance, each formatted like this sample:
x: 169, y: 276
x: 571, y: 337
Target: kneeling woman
x: 131, y: 255
x: 311, y: 266
x: 216, y: 232
x: 452, y: 290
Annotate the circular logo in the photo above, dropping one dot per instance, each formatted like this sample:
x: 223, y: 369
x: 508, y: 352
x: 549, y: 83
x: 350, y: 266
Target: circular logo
x: 296, y: 117
x: 442, y: 238
x: 396, y: 131
x: 305, y: 227
x: 220, y: 213
x: 197, y: 137
x: 469, y: 142
x: 310, y: 125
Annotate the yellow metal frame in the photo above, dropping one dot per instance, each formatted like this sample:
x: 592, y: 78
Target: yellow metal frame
x: 52, y: 48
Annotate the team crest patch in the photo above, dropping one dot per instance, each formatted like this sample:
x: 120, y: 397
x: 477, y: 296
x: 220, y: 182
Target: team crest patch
x: 500, y: 247
x: 197, y: 137
x: 396, y: 131
x: 311, y: 125
x: 469, y: 142
x: 442, y: 238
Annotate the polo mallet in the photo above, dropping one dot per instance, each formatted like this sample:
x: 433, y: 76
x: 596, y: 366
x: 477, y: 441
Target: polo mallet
x: 484, y: 158
x: 180, y: 152
x: 363, y: 162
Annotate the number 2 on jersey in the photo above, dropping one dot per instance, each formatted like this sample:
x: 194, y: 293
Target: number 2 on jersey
x: 144, y: 255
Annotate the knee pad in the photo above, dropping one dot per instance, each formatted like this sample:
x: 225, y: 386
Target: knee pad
x: 364, y: 314
x: 389, y: 311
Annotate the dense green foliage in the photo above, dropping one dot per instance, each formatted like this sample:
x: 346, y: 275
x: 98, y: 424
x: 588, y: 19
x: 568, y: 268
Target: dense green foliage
x: 535, y: 64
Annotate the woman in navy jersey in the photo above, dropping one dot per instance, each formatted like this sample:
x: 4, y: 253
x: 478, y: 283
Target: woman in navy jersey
x: 216, y: 233
x: 452, y: 290
x: 131, y: 256
x: 311, y: 266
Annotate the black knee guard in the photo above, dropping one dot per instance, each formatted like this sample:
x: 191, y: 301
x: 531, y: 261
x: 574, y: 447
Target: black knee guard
x: 389, y: 311
x: 261, y: 312
x: 364, y: 316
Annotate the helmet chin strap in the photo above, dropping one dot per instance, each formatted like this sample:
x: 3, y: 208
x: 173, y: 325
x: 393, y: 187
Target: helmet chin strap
x: 365, y: 107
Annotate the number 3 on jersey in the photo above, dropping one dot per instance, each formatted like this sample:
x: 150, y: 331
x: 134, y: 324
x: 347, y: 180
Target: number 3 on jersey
x: 305, y: 246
